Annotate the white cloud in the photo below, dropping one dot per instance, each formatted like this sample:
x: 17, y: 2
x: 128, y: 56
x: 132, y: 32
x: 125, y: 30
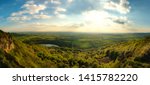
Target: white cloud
x: 30, y: 10
x: 27, y: 18
x: 58, y: 10
x: 57, y: 2
x: 103, y: 18
x: 33, y: 8
x: 96, y: 17
x: 41, y: 16
x: 19, y: 18
x: 70, y: 1
x: 103, y: 21
x: 122, y: 6
x: 18, y: 13
x: 30, y: 2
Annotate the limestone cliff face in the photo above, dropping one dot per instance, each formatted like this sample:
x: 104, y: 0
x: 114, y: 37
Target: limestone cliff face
x: 6, y: 42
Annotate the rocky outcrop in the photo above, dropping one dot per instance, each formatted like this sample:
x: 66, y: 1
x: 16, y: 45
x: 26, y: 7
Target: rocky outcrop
x: 6, y: 42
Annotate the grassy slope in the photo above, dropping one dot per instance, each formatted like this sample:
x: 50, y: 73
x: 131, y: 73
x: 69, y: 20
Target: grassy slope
x: 24, y: 56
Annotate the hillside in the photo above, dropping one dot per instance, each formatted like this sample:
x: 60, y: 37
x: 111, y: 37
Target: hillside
x: 128, y: 54
x: 15, y: 53
x: 6, y: 41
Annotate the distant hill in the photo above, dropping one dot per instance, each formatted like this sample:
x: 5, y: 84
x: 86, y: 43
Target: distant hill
x: 15, y: 53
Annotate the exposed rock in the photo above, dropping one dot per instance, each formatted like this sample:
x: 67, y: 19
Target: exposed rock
x: 6, y: 42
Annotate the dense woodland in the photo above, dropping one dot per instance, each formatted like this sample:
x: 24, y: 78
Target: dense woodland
x: 74, y: 50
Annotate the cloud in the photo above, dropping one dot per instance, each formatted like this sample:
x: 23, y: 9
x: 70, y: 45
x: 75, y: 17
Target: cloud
x: 30, y: 10
x: 122, y: 6
x: 40, y: 10
x: 103, y: 18
x: 41, y: 16
x: 33, y: 8
x: 70, y: 1
x: 19, y: 18
x: 79, y: 6
x: 58, y: 10
x: 120, y: 20
x: 57, y: 2
x: 95, y: 16
x: 64, y: 14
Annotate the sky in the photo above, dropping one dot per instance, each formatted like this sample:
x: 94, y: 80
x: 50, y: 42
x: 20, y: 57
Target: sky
x: 102, y: 16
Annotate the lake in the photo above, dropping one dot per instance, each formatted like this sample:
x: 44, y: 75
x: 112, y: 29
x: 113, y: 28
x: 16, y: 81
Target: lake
x: 50, y: 45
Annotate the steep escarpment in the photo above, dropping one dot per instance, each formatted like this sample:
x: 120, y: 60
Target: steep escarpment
x: 14, y: 53
x: 6, y: 42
